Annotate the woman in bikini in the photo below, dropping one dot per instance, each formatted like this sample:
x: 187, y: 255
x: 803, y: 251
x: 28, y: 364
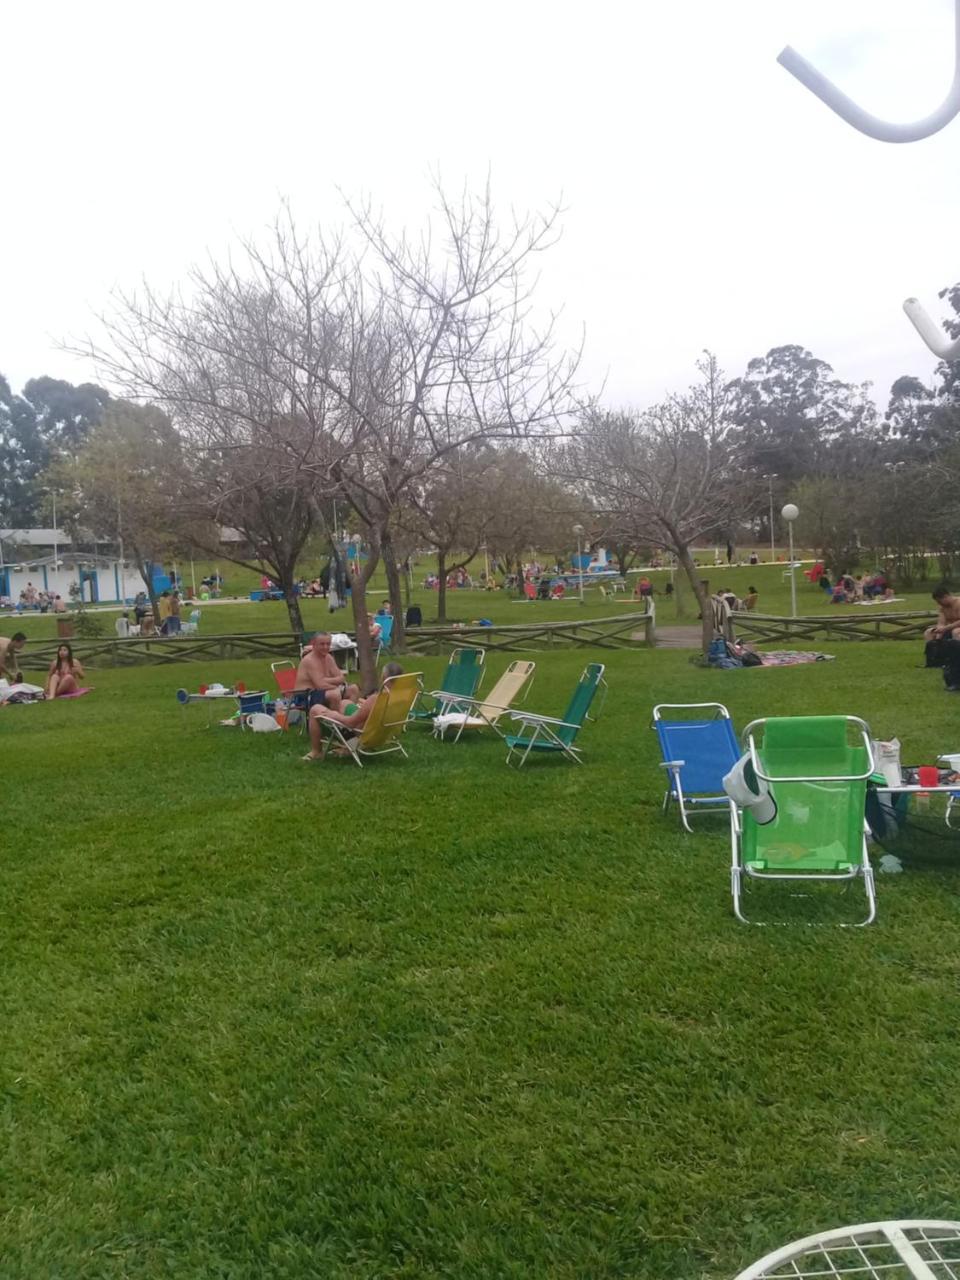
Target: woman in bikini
x: 64, y: 674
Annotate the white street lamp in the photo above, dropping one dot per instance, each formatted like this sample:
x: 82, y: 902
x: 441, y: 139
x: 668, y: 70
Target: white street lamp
x: 790, y: 513
x: 578, y: 530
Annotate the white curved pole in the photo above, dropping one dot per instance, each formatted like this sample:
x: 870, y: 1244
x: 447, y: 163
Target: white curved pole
x: 928, y: 331
x: 873, y: 126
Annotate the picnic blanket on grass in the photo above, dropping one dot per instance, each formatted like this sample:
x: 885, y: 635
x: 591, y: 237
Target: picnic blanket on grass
x: 14, y: 694
x: 793, y: 657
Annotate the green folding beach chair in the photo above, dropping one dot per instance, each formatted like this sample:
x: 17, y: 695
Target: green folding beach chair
x: 462, y: 676
x: 817, y: 779
x: 546, y: 733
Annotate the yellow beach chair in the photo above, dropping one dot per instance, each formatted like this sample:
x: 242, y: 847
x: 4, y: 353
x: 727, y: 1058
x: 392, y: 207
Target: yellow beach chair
x: 386, y: 722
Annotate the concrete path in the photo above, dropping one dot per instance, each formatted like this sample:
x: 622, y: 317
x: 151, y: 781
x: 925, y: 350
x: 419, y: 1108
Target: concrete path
x: 679, y: 637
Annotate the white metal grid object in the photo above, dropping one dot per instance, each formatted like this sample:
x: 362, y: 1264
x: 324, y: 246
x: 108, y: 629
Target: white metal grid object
x: 912, y: 1249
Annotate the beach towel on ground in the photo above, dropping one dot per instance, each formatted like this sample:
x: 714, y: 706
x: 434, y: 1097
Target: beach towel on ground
x: 793, y: 657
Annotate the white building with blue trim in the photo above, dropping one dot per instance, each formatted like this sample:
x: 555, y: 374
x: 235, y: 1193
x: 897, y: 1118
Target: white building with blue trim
x: 47, y: 560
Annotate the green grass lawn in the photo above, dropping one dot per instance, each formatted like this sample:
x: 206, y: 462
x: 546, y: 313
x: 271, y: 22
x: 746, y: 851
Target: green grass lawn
x: 503, y: 607
x: 438, y: 1018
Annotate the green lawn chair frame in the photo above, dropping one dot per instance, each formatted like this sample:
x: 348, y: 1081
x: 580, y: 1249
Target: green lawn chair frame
x: 552, y: 735
x: 818, y: 781
x: 462, y: 677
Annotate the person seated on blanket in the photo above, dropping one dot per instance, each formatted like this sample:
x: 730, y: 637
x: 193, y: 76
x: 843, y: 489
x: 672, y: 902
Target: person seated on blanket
x: 750, y: 599
x: 64, y: 674
x: 9, y: 664
x: 319, y: 674
x: 350, y: 716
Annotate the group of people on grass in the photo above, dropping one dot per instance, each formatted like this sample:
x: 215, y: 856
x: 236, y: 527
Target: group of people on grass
x: 42, y: 601
x: 63, y: 675
x: 847, y: 589
x: 331, y: 697
x: 145, y: 623
x: 457, y: 580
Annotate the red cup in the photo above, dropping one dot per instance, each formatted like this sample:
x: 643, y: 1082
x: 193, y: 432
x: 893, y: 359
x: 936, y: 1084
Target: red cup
x: 928, y: 775
x: 203, y: 689
x: 240, y: 687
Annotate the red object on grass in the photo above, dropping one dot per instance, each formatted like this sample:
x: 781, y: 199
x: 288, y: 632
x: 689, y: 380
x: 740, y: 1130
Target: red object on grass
x: 203, y: 689
x: 928, y: 775
x: 240, y: 687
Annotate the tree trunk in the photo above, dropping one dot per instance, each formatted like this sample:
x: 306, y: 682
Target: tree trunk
x: 441, y: 586
x: 143, y: 566
x: 398, y: 642
x: 286, y: 578
x: 365, y: 660
x: 407, y: 575
x: 361, y: 623
x: 693, y: 577
x: 679, y: 594
x: 292, y: 601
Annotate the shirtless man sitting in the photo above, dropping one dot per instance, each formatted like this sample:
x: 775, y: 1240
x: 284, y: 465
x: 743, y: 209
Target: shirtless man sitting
x: 944, y: 627
x: 319, y: 674
x: 9, y: 664
x: 351, y: 721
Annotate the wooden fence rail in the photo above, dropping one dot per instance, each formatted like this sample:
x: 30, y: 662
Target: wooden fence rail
x: 142, y: 651
x: 765, y: 628
x: 625, y: 631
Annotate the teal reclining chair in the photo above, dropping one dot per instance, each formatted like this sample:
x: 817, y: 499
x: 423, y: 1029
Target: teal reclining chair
x: 550, y: 735
x: 462, y: 676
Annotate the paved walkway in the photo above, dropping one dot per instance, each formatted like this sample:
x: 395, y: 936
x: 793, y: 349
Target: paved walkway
x: 679, y: 637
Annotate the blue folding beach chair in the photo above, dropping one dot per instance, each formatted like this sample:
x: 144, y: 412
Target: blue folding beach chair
x: 697, y: 752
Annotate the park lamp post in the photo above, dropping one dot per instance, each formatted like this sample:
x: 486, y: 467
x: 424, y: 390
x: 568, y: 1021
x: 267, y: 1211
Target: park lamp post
x: 773, y: 550
x: 578, y: 530
x: 790, y: 513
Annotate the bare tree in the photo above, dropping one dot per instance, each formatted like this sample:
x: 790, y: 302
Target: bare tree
x: 359, y: 369
x: 450, y: 510
x: 666, y: 477
x: 443, y: 358
x: 251, y: 489
x: 527, y: 508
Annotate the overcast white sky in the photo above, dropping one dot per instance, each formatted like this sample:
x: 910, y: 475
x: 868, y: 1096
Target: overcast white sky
x: 711, y: 200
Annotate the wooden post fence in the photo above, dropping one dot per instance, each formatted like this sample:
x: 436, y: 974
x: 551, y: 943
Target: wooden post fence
x: 624, y: 631
x: 864, y: 624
